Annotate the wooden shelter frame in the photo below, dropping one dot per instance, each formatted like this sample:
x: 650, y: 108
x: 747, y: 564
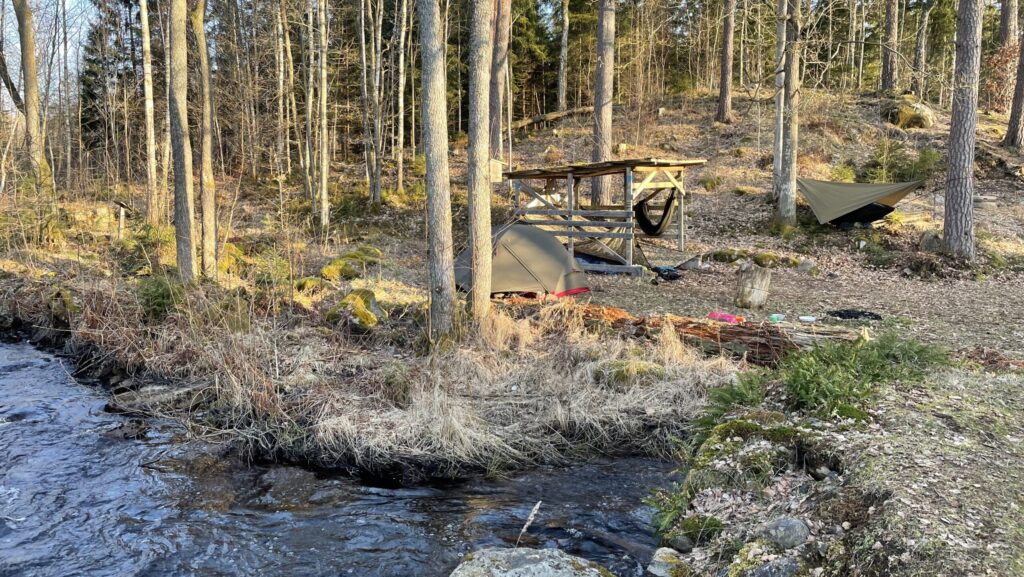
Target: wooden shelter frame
x: 569, y: 219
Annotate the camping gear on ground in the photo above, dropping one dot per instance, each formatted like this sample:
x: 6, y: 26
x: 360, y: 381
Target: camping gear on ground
x: 776, y: 318
x: 667, y: 273
x: 526, y: 259
x: 807, y: 319
x: 854, y: 315
x: 611, y: 250
x: 642, y: 214
x: 850, y: 202
x: 726, y: 318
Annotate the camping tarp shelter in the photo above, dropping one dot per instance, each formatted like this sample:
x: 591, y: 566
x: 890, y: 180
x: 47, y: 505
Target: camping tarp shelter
x: 832, y: 200
x: 526, y: 259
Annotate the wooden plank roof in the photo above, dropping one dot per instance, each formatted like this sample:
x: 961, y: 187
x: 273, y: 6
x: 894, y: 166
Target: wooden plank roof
x: 603, y: 168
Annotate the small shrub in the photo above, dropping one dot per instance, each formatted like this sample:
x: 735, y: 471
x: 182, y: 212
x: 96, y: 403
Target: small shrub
x: 700, y: 528
x: 625, y: 372
x: 744, y: 190
x: 843, y: 173
x: 710, y: 182
x: 746, y: 392
x: 159, y: 295
x: 419, y: 166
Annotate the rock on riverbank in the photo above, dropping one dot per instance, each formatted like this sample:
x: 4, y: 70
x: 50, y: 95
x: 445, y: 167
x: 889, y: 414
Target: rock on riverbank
x: 527, y: 563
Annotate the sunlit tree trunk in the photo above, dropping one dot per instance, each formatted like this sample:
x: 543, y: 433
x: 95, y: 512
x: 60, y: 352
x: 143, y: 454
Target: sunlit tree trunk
x: 154, y: 206
x: 1008, y: 22
x: 1015, y: 129
x: 34, y: 139
x: 181, y: 147
x: 499, y: 67
x: 958, y: 227
x: 725, y: 83
x: 325, y: 161
x: 399, y: 151
x: 435, y: 147
x: 785, y: 214
x: 207, y: 186
x: 480, y: 53
x: 780, y: 95
x: 563, y: 57
x: 604, y: 95
x: 921, y: 52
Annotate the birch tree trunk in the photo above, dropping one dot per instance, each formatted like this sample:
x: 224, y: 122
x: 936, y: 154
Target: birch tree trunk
x: 435, y: 147
x: 921, y: 52
x: 480, y: 53
x: 890, y: 46
x: 604, y: 78
x: 780, y: 95
x: 154, y: 212
x: 563, y: 57
x: 34, y: 138
x: 207, y: 186
x: 1008, y: 23
x: 958, y: 224
x: 325, y: 161
x: 181, y: 147
x: 725, y: 83
x: 499, y: 67
x: 786, y: 205
x: 399, y: 151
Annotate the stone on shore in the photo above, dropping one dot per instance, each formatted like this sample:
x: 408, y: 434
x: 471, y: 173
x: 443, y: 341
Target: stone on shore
x: 786, y: 532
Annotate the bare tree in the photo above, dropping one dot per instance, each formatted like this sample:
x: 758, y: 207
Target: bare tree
x: 34, y: 138
x: 604, y: 78
x: 480, y: 53
x: 921, y: 51
x: 1008, y: 23
x: 780, y: 94
x: 1015, y: 128
x: 890, y: 47
x: 563, y: 57
x: 181, y: 147
x: 785, y: 214
x: 958, y: 228
x: 499, y: 70
x: 435, y: 148
x: 154, y: 204
x: 207, y: 186
x: 325, y: 161
x: 399, y: 145
x: 725, y: 84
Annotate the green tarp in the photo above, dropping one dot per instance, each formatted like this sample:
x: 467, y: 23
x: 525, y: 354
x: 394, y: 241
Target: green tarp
x: 831, y: 200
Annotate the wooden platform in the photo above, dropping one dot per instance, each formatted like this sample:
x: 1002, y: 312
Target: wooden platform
x: 541, y: 204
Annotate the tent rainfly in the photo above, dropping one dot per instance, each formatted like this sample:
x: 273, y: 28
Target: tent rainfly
x: 526, y: 259
x: 853, y: 202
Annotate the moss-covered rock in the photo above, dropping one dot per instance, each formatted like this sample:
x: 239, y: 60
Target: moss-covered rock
x: 351, y: 264
x: 766, y: 259
x: 908, y: 111
x: 729, y: 255
x: 310, y: 285
x: 700, y: 529
x: 360, y: 309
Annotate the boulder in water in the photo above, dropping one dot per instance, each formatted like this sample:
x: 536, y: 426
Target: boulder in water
x: 526, y: 563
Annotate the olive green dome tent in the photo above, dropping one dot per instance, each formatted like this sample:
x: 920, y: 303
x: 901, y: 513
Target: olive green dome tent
x: 838, y: 202
x: 526, y: 259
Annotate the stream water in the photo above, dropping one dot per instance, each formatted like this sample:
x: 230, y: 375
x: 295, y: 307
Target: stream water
x: 87, y: 492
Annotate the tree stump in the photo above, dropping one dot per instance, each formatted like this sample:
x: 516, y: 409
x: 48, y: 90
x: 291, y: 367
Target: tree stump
x: 752, y: 291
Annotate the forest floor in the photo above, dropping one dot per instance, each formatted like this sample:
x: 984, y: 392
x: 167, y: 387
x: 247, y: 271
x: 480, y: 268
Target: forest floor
x: 275, y: 360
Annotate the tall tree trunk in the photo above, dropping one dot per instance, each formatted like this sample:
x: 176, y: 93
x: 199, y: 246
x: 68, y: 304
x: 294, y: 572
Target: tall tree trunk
x: 435, y: 147
x: 154, y: 212
x: 1008, y: 23
x: 207, y: 186
x: 325, y: 161
x: 862, y: 43
x: 725, y: 83
x: 34, y: 138
x: 563, y: 57
x: 785, y: 214
x: 921, y: 52
x: 780, y: 95
x: 604, y: 94
x: 480, y: 53
x: 399, y: 151
x: 890, y: 48
x: 958, y: 228
x: 181, y: 147
x: 499, y: 67
x: 1015, y: 129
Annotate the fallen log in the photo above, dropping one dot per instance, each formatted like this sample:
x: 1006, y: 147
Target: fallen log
x: 759, y: 343
x: 551, y: 117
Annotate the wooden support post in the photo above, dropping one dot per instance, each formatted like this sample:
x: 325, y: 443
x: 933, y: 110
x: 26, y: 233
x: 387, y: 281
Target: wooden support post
x: 628, y: 186
x: 570, y: 194
x: 120, y: 222
x: 681, y: 235
x: 515, y: 189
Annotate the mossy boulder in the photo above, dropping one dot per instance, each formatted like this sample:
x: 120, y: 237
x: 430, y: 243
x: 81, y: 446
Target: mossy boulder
x: 360, y: 309
x: 626, y: 372
x: 351, y: 264
x: 908, y: 111
x: 310, y: 285
x: 766, y: 259
x: 729, y: 255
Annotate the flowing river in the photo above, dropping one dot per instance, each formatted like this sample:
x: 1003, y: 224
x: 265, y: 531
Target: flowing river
x: 86, y: 492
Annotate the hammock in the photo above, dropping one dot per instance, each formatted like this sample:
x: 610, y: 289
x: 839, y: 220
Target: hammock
x: 642, y: 212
